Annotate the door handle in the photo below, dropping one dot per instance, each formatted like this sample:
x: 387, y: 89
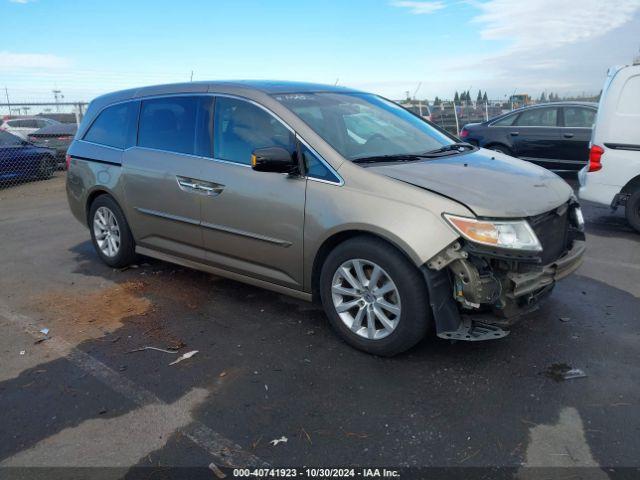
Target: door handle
x: 514, y: 134
x: 188, y: 184
x: 210, y: 190
x: 568, y: 135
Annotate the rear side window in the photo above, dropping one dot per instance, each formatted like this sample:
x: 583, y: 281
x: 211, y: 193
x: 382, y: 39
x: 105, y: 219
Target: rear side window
x: 241, y: 127
x: 177, y: 124
x: 505, y: 122
x: 111, y: 126
x: 579, y: 117
x: 538, y: 117
x: 8, y: 140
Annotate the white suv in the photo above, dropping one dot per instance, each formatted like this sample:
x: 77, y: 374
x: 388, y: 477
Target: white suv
x: 23, y: 126
x: 612, y: 176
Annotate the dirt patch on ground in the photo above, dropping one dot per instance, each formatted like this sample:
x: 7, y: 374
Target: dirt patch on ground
x: 79, y: 316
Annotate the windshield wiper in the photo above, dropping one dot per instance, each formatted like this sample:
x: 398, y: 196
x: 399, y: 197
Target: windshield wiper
x: 457, y: 147
x: 402, y: 157
x: 452, y: 149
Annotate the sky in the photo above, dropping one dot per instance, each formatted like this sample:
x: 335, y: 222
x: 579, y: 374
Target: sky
x: 430, y: 48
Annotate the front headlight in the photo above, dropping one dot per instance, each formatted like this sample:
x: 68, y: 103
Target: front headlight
x: 512, y: 234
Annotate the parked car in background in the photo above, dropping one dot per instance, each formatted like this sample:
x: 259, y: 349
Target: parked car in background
x: 20, y: 160
x: 58, y: 137
x: 23, y: 126
x: 553, y: 135
x: 328, y: 194
x: 612, y: 176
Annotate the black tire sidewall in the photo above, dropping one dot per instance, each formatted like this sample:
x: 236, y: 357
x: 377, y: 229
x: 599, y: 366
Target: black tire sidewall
x: 126, y: 254
x: 632, y: 210
x: 415, y: 317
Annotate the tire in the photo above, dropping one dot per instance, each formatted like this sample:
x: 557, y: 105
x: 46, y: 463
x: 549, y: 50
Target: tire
x: 632, y: 210
x: 103, y: 210
x: 46, y: 168
x: 501, y: 149
x: 410, y: 294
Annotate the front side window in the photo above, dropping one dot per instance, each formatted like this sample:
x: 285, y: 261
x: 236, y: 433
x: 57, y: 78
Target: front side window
x: 361, y: 125
x: 111, y: 126
x: 538, y: 117
x: 240, y: 127
x: 579, y: 117
x: 177, y: 124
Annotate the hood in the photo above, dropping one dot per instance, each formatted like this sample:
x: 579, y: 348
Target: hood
x: 490, y: 184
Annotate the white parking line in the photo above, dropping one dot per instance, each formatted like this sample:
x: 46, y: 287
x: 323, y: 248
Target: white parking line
x: 224, y: 451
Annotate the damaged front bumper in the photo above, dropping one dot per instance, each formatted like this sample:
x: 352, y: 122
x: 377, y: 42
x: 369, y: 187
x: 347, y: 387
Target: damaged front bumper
x: 474, y: 296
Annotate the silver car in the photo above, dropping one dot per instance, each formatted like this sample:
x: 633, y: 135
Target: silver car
x: 327, y: 194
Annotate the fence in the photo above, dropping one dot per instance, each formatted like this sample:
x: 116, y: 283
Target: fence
x: 34, y: 137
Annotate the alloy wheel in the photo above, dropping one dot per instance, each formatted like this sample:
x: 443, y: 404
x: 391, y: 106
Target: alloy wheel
x: 106, y: 231
x: 366, y: 299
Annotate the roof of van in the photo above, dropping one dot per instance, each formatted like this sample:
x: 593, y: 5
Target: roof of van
x: 262, y: 86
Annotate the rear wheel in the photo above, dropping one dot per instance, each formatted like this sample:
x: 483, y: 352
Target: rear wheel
x: 375, y: 298
x: 110, y: 233
x: 46, y: 167
x: 632, y: 210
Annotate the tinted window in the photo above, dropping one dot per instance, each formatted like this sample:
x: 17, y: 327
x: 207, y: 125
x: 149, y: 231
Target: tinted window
x: 241, y: 127
x: 170, y: 124
x: 538, y: 117
x: 110, y: 128
x: 315, y: 168
x: 506, y: 121
x: 579, y: 117
x: 8, y: 140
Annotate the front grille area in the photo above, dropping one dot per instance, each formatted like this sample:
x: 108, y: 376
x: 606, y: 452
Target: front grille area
x: 552, y: 229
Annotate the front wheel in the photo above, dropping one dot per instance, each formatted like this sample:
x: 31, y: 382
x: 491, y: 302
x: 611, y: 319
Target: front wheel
x: 632, y: 210
x: 375, y: 298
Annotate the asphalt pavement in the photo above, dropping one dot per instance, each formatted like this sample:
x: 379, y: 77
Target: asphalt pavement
x: 269, y: 367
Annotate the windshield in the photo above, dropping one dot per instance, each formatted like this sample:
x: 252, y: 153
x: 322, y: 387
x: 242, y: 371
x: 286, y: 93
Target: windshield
x: 360, y: 125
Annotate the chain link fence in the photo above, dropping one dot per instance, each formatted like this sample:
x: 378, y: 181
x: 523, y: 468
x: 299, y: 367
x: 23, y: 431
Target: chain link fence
x: 34, y: 137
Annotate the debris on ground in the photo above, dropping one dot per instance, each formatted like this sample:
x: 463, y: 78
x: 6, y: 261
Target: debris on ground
x: 44, y: 331
x: 184, y: 357
x: 562, y: 371
x: 276, y: 441
x: 142, y: 349
x: 22, y: 352
x: 564, y: 319
x: 214, y: 468
x: 223, y: 374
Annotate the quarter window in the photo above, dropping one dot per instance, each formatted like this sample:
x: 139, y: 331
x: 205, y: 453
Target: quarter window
x: 315, y: 168
x: 240, y: 128
x: 111, y: 126
x: 505, y: 122
x: 538, y: 117
x: 177, y: 124
x: 579, y: 117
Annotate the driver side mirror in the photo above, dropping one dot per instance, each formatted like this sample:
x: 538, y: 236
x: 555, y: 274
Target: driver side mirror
x: 273, y: 159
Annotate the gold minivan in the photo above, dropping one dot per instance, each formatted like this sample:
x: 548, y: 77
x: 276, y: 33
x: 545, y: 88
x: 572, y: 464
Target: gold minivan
x: 327, y: 194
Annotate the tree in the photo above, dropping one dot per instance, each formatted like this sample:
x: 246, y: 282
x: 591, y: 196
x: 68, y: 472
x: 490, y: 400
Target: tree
x: 479, y: 97
x: 485, y: 99
x: 456, y: 98
x: 543, y: 97
x: 437, y: 101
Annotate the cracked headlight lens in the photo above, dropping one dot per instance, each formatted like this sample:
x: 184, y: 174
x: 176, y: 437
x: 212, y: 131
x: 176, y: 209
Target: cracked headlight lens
x: 512, y: 234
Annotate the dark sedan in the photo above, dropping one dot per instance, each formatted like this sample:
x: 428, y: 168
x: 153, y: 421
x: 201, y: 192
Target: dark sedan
x: 553, y: 135
x: 21, y: 160
x: 58, y: 137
